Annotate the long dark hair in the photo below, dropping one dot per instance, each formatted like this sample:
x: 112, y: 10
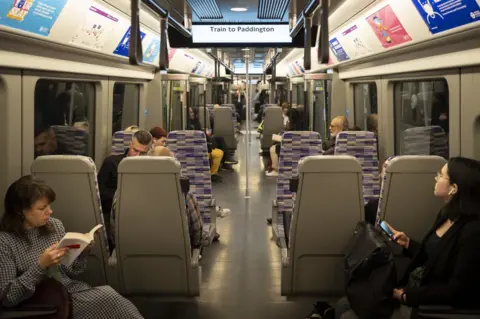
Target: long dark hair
x: 20, y: 196
x: 465, y: 203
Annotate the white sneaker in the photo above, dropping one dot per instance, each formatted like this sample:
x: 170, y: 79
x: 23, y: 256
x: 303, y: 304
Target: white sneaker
x: 272, y: 174
x: 222, y: 212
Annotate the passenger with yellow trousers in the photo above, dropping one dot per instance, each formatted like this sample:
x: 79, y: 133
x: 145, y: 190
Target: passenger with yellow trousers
x: 215, y: 154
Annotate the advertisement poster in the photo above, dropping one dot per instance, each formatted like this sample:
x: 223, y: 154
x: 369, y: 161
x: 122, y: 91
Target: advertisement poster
x: 388, y: 28
x: 443, y: 15
x: 354, y: 44
x: 338, y: 50
x: 36, y: 16
x: 94, y: 30
x: 152, y: 50
x: 122, y: 48
x: 299, y: 65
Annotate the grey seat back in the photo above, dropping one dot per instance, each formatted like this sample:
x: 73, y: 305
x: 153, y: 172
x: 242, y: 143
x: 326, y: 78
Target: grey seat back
x: 77, y: 204
x: 224, y: 126
x: 273, y: 124
x: 329, y: 204
x: 407, y: 200
x: 121, y: 142
x: 152, y: 238
x: 201, y: 117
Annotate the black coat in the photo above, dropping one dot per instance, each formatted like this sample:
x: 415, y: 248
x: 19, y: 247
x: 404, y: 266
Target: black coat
x: 452, y: 275
x: 107, y: 180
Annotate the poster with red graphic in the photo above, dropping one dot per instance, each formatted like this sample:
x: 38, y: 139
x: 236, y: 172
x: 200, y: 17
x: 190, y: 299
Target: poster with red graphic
x: 171, y: 53
x: 388, y: 28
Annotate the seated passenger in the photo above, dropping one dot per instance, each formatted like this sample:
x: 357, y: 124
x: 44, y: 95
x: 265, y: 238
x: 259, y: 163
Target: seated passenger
x: 290, y: 123
x: 107, y: 176
x: 444, y: 268
x: 338, y: 124
x: 194, y: 218
x: 131, y: 129
x: 215, y: 154
x: 46, y: 143
x: 28, y: 254
x: 159, y: 136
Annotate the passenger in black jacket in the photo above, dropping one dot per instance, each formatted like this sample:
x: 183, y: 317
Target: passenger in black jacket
x: 107, y: 177
x: 338, y: 124
x: 445, y: 266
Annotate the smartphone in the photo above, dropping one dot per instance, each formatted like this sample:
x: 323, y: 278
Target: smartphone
x: 384, y: 227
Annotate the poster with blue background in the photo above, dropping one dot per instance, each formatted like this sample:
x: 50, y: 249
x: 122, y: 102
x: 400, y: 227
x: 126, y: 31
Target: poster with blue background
x: 122, y: 47
x: 338, y: 50
x: 36, y: 16
x: 443, y: 15
x: 152, y: 51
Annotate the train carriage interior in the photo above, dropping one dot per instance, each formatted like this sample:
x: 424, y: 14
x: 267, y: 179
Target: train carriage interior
x: 244, y: 100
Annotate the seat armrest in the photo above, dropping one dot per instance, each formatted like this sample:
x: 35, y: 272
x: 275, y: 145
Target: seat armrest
x: 195, y: 258
x: 274, y: 203
x: 294, y: 185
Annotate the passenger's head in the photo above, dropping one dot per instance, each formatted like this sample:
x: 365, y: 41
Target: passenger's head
x: 338, y: 124
x: 458, y: 183
x: 372, y: 123
x: 26, y: 206
x: 159, y: 136
x: 141, y: 143
x: 131, y: 129
x: 285, y: 108
x: 160, y: 151
x: 216, y: 106
x: 45, y: 142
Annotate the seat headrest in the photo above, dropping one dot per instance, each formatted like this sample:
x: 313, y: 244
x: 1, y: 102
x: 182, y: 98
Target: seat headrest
x: 61, y: 164
x: 149, y: 165
x: 326, y: 164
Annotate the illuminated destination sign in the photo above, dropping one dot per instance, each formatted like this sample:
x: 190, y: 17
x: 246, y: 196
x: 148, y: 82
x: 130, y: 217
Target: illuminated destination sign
x: 241, y: 33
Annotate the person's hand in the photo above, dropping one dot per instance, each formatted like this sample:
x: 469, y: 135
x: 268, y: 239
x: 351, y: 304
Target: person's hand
x: 51, y: 256
x: 400, y: 237
x: 397, y: 294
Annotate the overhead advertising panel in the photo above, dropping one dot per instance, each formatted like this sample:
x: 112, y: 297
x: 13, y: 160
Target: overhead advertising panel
x: 354, y: 44
x: 388, y: 29
x: 122, y: 48
x: 241, y: 33
x: 443, y: 15
x: 338, y: 50
x: 29, y: 15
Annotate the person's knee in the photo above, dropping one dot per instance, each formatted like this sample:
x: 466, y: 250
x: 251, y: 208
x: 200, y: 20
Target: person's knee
x: 217, y: 153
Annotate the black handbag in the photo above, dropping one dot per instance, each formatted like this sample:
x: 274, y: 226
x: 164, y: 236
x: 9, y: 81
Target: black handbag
x: 370, y: 273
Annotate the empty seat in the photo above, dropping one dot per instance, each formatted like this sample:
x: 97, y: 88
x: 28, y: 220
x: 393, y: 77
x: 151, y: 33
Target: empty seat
x: 190, y: 149
x: 295, y: 146
x: 273, y: 124
x: 74, y: 140
x: 426, y: 140
x: 152, y: 238
x: 363, y: 146
x: 407, y: 200
x: 224, y: 126
x: 121, y: 142
x: 77, y: 205
x: 328, y: 206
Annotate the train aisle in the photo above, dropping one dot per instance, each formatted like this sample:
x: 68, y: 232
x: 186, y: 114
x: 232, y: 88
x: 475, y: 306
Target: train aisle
x: 241, y: 273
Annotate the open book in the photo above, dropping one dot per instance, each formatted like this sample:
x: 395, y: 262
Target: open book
x: 77, y: 243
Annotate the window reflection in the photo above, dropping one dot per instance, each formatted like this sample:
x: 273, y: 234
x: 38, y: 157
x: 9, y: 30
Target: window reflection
x: 422, y: 118
x: 64, y: 118
x: 365, y: 104
x: 126, y: 105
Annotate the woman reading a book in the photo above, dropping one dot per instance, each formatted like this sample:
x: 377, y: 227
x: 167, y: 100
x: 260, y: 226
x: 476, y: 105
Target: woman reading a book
x: 29, y: 253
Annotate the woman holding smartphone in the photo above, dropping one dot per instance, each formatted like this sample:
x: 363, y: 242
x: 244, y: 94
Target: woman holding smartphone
x: 445, y: 265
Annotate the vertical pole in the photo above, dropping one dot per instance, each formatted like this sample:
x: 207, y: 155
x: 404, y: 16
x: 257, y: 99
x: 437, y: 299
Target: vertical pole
x: 247, y: 140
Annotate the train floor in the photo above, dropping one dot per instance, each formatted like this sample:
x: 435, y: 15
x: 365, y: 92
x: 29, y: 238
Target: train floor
x: 240, y: 274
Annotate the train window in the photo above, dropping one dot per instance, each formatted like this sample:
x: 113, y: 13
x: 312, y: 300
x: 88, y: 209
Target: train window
x: 365, y: 104
x: 64, y: 118
x: 422, y: 118
x: 126, y: 106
